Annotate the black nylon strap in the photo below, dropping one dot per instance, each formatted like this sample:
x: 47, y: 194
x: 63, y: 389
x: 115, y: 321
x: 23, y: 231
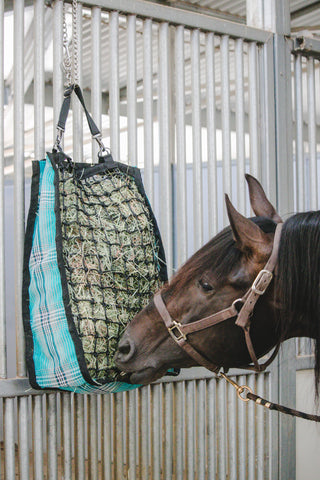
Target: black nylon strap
x: 95, y: 132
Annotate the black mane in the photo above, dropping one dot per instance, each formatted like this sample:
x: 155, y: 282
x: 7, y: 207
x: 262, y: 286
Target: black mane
x: 299, y: 276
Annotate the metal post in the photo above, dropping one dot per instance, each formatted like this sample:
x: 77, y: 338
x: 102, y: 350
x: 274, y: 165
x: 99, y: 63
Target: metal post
x: 165, y: 130
x: 77, y: 110
x: 114, y: 85
x: 276, y: 17
x: 211, y: 135
x: 181, y: 146
x: 19, y: 176
x: 3, y: 346
x: 132, y: 90
x: 196, y: 139
x: 96, y: 72
x: 148, y: 110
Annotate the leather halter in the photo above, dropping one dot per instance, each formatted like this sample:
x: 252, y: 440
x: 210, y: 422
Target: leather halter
x: 242, y: 308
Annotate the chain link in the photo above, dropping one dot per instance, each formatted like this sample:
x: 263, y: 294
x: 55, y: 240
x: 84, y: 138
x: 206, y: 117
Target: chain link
x: 67, y: 62
x: 71, y: 65
x: 75, y: 41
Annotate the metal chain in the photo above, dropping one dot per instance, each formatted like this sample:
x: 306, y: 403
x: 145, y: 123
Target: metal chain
x: 67, y: 62
x: 75, y: 42
x: 71, y: 65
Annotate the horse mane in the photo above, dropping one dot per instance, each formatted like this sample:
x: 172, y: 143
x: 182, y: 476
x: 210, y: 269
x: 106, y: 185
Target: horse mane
x: 298, y: 286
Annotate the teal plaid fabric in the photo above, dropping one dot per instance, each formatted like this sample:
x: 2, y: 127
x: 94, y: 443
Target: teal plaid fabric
x: 55, y: 359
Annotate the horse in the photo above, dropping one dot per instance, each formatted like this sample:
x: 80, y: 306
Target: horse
x: 194, y: 319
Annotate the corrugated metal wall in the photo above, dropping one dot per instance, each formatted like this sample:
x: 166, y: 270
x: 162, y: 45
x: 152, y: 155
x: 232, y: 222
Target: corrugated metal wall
x: 190, y: 99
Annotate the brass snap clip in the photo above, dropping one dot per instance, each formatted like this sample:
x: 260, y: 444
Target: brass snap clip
x: 239, y: 388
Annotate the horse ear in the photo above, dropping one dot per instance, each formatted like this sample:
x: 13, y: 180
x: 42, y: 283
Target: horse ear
x: 259, y: 202
x: 249, y: 237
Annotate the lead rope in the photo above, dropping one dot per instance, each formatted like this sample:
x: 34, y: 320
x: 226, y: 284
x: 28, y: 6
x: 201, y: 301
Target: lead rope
x: 249, y: 395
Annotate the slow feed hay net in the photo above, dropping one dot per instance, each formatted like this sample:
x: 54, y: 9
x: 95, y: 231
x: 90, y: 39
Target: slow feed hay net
x: 112, y: 257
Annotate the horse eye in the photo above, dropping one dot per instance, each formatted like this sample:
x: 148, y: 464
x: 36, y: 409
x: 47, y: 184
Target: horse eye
x: 206, y: 287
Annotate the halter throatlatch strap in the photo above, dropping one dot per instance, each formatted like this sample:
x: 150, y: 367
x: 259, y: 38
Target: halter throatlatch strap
x: 179, y: 331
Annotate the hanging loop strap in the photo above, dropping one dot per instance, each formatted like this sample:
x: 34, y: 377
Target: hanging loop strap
x: 61, y: 125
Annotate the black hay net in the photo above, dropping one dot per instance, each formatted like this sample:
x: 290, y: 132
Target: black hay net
x: 112, y: 253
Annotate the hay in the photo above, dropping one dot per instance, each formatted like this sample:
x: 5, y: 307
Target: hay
x: 111, y: 255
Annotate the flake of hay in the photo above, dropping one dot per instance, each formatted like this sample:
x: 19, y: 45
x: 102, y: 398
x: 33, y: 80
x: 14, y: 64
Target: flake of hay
x: 111, y: 258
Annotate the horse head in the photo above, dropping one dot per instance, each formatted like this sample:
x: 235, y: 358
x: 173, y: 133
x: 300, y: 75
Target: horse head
x: 216, y: 276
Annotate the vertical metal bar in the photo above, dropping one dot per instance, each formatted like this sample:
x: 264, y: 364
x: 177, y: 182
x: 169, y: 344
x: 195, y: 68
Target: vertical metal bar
x: 267, y: 129
x: 164, y: 142
x: 132, y: 437
x: 132, y: 90
x: 168, y: 430
x: 118, y: 455
x: 23, y: 438
x: 144, y: 432
x: 251, y: 438
x: 77, y: 111
x: 66, y: 434
x: 92, y: 438
x: 190, y: 429
x: 221, y: 430
x: 106, y: 429
x: 240, y: 122
x: 283, y: 104
x: 283, y: 113
x: 201, y: 429
x: 312, y: 134
x: 179, y: 430
x: 196, y: 139
x: 79, y: 437
x: 211, y: 135
x: 242, y: 435
x: 114, y: 85
x: 52, y: 437
x: 19, y: 209
x: 156, y: 432
x: 57, y: 73
x: 9, y: 435
x: 211, y: 427
x: 181, y: 184
x: 96, y: 72
x: 261, y: 432
x: 232, y: 435
x: 39, y: 81
x: 225, y: 115
x: 253, y: 111
x: 148, y: 109
x: 3, y: 346
x: 37, y: 437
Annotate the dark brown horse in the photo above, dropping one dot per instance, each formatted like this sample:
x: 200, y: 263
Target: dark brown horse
x: 212, y: 280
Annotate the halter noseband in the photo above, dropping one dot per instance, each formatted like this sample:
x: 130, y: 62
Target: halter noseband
x: 179, y: 332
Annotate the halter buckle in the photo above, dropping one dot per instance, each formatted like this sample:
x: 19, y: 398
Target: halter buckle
x: 268, y: 277
x: 176, y: 332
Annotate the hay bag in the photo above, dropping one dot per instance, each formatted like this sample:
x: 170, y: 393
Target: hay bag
x: 93, y: 259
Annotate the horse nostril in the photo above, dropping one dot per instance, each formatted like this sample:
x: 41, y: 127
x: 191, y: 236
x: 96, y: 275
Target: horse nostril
x: 126, y: 349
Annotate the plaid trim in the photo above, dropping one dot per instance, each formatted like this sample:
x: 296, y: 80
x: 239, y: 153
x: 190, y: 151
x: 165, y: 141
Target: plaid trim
x: 54, y: 356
